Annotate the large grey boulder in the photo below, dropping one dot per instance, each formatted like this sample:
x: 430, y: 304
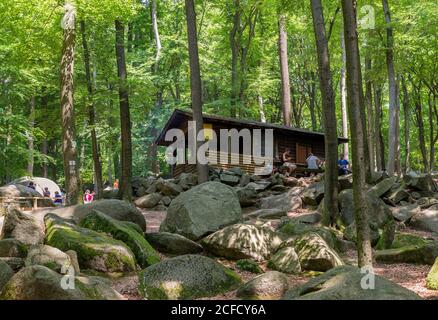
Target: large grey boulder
x: 5, y: 274
x: 243, y: 241
x: 346, y: 283
x: 289, y: 201
x: 268, y: 286
x: 149, y: 200
x: 379, y: 213
x: 285, y: 260
x: 230, y: 179
x: 314, y: 194
x: 421, y: 182
x: 12, y: 248
x: 141, y: 184
x: 267, y: 214
x: 116, y: 209
x: 95, y: 250
x: 382, y: 187
x: 406, y: 212
x: 186, y: 277
x: 187, y: 180
x: 202, y: 210
x: 169, y: 188
x: 247, y: 196
x: 48, y: 256
x: 41, y: 283
x: 315, y: 254
x: 421, y: 254
x: 426, y: 220
x: 23, y: 227
x: 172, y: 243
x: 14, y: 262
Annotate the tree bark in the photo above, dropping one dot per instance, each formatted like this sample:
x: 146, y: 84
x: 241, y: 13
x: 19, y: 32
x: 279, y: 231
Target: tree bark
x: 156, y: 33
x: 30, y: 162
x: 125, y: 189
x: 329, y: 118
x: 343, y: 89
x: 69, y: 151
x: 380, y: 145
x: 234, y: 44
x: 195, y: 81
x: 284, y: 70
x: 392, y: 132
x: 370, y: 116
x: 406, y: 114
x: 356, y: 126
x: 91, y: 116
x: 261, y: 108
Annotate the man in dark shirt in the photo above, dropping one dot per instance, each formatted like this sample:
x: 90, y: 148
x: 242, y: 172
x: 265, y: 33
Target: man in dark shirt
x: 343, y: 165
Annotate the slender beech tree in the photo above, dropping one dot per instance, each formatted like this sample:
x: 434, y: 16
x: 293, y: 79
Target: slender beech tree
x: 329, y: 118
x: 69, y: 151
x: 343, y: 89
x: 357, y: 131
x: 284, y: 69
x: 125, y: 189
x: 406, y: 114
x: 30, y: 162
x: 195, y: 81
x: 393, y: 106
x: 91, y: 114
x: 370, y: 113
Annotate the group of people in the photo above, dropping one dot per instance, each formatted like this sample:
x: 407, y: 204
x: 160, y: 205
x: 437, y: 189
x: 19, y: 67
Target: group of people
x: 58, y: 198
x: 313, y: 163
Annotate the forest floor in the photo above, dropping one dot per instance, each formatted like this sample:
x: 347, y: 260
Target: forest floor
x: 410, y: 276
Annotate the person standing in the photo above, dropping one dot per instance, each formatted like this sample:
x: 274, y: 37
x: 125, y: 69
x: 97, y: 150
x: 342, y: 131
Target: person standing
x: 313, y: 162
x: 88, y: 197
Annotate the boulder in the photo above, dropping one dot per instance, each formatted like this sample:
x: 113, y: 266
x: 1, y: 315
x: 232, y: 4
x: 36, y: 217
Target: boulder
x: 237, y: 171
x: 315, y: 254
x: 13, y: 262
x: 377, y: 176
x: 202, y: 210
x: 41, y: 283
x: 379, y: 212
x: 19, y: 190
x: 290, y: 182
x: 95, y: 250
x: 248, y: 265
x: 74, y: 260
x: 406, y: 212
x: 346, y: 283
x: 166, y: 200
x: 387, y: 237
x: 427, y: 202
x: 48, y: 256
x: 407, y: 239
x: 314, y: 193
x: 395, y: 195
x: 116, y: 209
x: 289, y: 201
x: 242, y: 241
x: 23, y: 227
x: 276, y: 179
x: 268, y: 286
x: 187, y: 180
x: 309, y: 218
x: 432, y: 277
x: 244, y: 180
x: 285, y: 260
x: 422, y: 254
x: 350, y: 233
x: 6, y: 273
x: 149, y: 200
x: 186, y: 277
x: 230, y: 179
x: 12, y: 248
x: 382, y: 187
x: 421, y: 182
x: 247, y: 196
x: 172, y: 243
x: 345, y: 182
x: 100, y: 222
x: 267, y: 214
x: 426, y: 220
x: 168, y: 188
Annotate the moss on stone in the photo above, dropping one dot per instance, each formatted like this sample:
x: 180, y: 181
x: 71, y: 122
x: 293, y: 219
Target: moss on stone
x: 248, y: 265
x: 406, y: 239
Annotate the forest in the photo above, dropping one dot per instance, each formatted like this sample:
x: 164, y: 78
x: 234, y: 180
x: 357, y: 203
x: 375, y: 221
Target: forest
x: 87, y: 86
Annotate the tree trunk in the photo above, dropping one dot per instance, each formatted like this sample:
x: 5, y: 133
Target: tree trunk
x: 407, y: 160
x: 30, y: 141
x: 312, y: 98
x: 195, y: 81
x: 392, y: 132
x: 380, y: 145
x: 156, y: 33
x: 370, y: 116
x: 284, y: 69
x: 329, y: 111
x: 357, y: 134
x: 261, y: 108
x: 432, y: 138
x: 91, y: 116
x: 234, y: 58
x: 44, y: 168
x: 343, y: 89
x: 71, y: 166
x: 125, y: 189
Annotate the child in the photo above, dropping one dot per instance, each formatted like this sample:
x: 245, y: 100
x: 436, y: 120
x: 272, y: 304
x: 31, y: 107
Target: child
x: 88, y: 197
x: 57, y: 199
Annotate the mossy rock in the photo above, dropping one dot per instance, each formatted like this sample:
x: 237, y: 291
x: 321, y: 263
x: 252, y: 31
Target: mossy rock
x: 407, y: 239
x: 432, y: 277
x: 421, y: 254
x: 5, y: 274
x: 186, y: 277
x: 268, y: 286
x: 95, y: 250
x: 285, y: 260
x: 143, y: 251
x: 248, y: 265
x: 12, y: 248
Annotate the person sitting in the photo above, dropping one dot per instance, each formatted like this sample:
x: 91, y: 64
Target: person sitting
x: 88, y: 197
x: 46, y: 193
x: 31, y: 185
x: 57, y: 199
x: 313, y: 162
x: 288, y: 166
x: 343, y: 165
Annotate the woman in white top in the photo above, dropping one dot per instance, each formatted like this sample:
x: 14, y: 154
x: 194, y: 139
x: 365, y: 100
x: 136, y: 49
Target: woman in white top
x: 312, y: 162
